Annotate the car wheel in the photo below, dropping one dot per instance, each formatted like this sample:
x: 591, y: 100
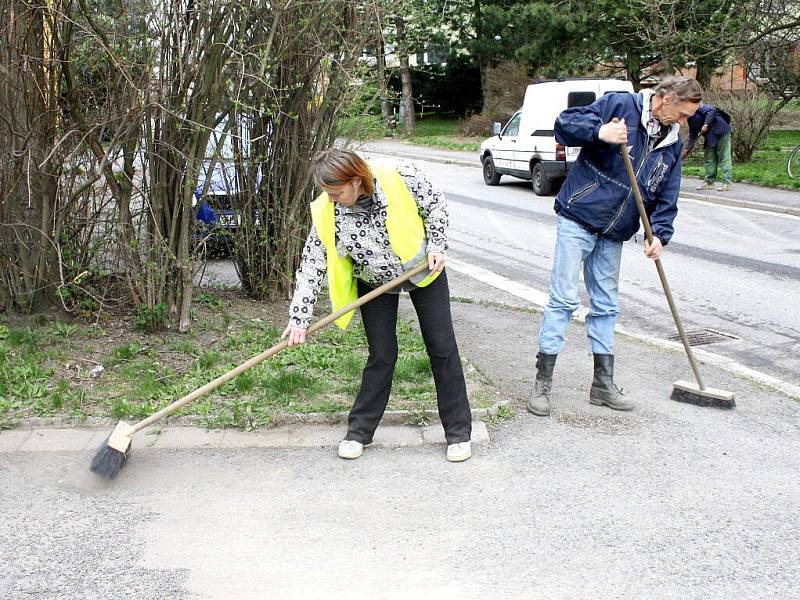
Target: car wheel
x: 490, y: 174
x: 541, y: 184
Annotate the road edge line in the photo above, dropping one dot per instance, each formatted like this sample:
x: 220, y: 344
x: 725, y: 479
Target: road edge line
x: 539, y: 299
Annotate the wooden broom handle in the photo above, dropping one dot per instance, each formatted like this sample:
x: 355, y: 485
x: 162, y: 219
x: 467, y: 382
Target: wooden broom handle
x: 648, y: 231
x: 225, y: 378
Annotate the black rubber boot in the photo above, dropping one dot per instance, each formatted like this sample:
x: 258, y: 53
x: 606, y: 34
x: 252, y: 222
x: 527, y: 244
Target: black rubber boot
x: 604, y: 391
x: 539, y: 402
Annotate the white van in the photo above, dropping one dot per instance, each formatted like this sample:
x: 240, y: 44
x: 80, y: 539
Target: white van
x: 526, y: 147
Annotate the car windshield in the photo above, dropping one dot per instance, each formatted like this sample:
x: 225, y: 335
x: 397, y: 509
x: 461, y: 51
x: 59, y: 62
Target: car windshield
x: 512, y: 129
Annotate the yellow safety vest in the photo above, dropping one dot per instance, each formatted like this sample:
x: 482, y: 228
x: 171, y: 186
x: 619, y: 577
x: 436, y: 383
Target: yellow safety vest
x: 406, y: 235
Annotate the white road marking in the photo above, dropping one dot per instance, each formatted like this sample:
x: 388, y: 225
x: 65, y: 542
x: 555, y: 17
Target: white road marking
x: 539, y: 298
x: 768, y: 213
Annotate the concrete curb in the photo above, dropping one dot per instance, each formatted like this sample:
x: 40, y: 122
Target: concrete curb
x: 83, y: 439
x: 437, y: 159
x: 738, y: 203
x: 300, y: 430
x: 390, y: 417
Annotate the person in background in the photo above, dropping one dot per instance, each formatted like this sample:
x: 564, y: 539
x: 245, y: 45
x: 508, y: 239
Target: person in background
x: 714, y: 125
x: 597, y: 212
x: 371, y: 223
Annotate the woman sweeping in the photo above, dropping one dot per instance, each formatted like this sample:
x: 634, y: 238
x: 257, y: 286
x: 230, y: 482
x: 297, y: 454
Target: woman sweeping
x: 371, y: 223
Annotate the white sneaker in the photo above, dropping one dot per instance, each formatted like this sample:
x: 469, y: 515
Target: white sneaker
x: 350, y: 449
x: 706, y: 185
x: 459, y: 452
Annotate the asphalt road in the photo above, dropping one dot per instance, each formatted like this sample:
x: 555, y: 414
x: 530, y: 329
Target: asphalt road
x: 671, y: 501
x: 732, y: 270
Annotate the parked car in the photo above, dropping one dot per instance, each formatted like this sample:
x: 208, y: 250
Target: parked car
x: 216, y: 219
x: 526, y: 147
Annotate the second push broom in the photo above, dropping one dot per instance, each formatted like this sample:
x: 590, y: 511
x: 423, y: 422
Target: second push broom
x: 114, y: 451
x: 682, y: 391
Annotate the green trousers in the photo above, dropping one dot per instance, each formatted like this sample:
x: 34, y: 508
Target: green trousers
x: 718, y: 160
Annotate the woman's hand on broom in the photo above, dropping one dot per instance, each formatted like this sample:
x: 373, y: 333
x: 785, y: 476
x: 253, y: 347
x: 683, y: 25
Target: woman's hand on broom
x: 294, y: 335
x: 436, y: 261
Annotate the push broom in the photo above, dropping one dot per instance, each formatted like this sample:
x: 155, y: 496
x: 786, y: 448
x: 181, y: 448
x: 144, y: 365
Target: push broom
x: 682, y: 391
x: 114, y: 451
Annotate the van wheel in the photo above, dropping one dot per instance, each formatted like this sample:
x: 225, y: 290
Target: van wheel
x: 539, y: 181
x: 490, y: 174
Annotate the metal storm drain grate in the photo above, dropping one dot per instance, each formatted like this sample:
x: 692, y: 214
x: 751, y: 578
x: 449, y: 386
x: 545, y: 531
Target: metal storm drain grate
x: 701, y: 337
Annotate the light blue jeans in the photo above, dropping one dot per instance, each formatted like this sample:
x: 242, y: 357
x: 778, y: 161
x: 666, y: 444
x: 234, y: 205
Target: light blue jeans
x: 600, y: 258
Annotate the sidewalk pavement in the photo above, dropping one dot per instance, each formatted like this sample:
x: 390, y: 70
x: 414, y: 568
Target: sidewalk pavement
x: 671, y: 500
x: 171, y: 437
x: 743, y: 195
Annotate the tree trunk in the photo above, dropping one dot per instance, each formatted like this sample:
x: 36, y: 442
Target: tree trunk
x: 405, y: 78
x: 380, y: 52
x: 408, y: 96
x: 633, y: 67
x: 484, y: 62
x: 28, y: 184
x: 484, y: 72
x: 705, y: 70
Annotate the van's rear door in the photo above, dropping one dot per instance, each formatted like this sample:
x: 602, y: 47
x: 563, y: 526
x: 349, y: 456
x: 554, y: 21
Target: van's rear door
x: 580, y: 97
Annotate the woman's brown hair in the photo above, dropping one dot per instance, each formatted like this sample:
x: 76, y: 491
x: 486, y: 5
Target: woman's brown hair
x: 335, y: 167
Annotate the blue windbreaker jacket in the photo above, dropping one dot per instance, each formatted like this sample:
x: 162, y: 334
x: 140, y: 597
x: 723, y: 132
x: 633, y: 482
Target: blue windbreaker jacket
x: 718, y: 127
x: 597, y: 193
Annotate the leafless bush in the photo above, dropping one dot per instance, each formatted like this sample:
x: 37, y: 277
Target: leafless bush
x: 105, y: 118
x: 751, y: 114
x: 281, y: 119
x: 28, y: 181
x: 504, y: 90
x: 477, y: 125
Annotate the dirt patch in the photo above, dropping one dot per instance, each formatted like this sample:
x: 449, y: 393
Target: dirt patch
x: 608, y: 424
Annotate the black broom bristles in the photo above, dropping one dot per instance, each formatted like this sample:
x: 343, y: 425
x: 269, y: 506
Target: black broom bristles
x: 700, y: 399
x: 108, y: 462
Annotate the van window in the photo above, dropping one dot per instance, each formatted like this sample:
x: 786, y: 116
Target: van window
x: 580, y: 99
x: 512, y: 129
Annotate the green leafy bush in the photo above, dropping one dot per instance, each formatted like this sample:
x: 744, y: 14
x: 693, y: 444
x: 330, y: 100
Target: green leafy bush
x: 151, y: 319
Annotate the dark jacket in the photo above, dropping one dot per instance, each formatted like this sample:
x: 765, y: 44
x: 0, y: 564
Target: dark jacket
x: 718, y: 126
x: 597, y: 193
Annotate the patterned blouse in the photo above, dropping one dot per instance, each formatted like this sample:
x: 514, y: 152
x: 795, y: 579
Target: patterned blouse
x: 361, y: 233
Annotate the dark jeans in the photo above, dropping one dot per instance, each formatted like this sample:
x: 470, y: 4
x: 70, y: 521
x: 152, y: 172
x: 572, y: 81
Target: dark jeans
x: 432, y: 304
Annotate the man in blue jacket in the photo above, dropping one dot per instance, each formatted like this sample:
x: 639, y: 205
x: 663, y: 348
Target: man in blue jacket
x: 714, y: 124
x: 597, y: 212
